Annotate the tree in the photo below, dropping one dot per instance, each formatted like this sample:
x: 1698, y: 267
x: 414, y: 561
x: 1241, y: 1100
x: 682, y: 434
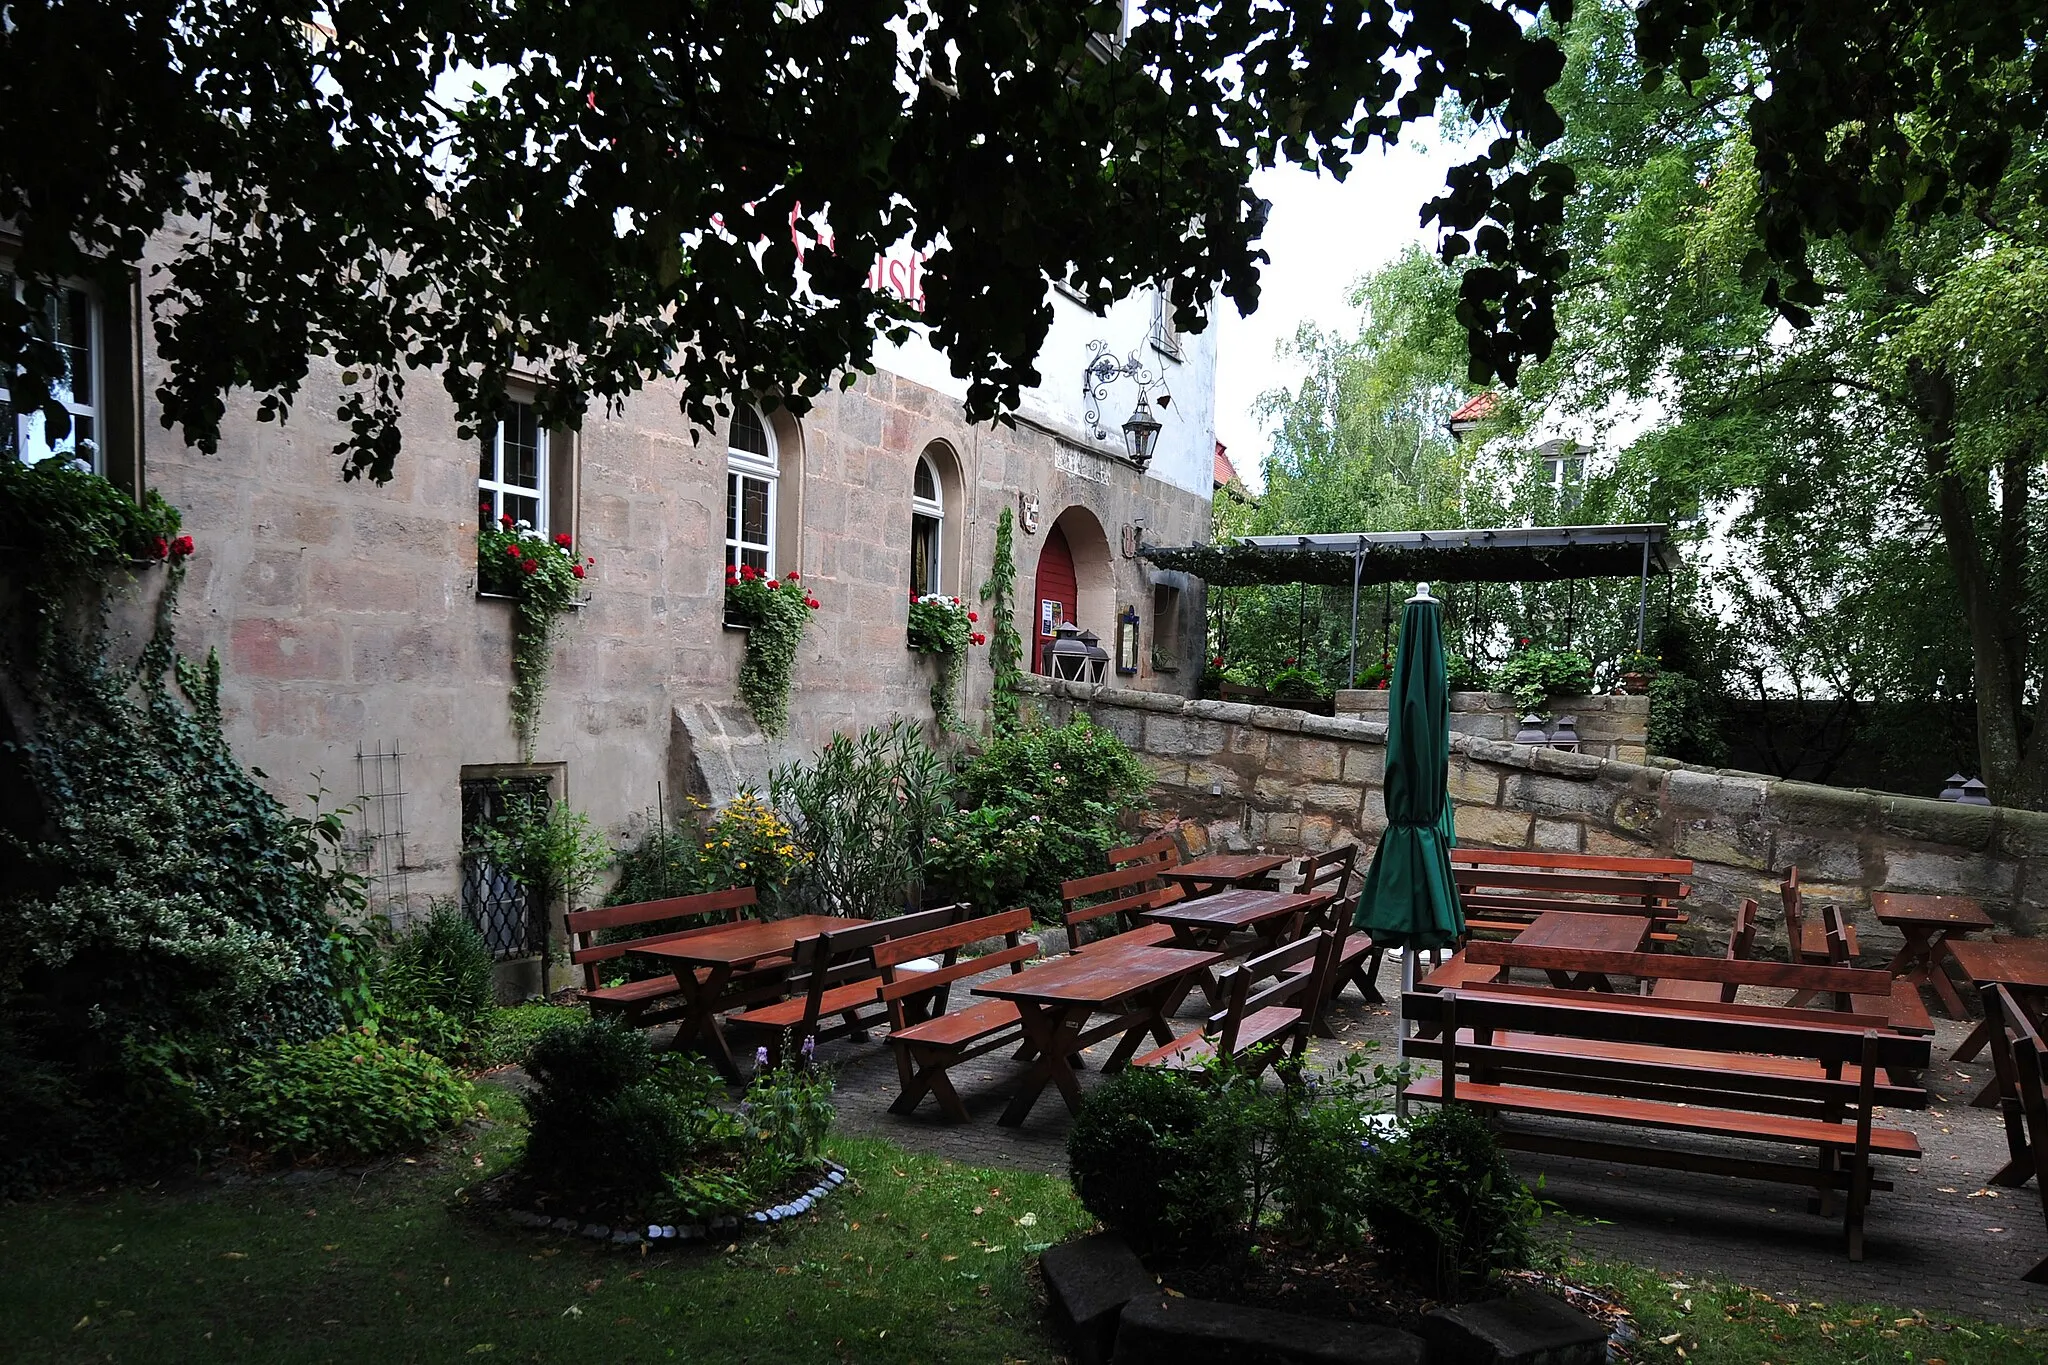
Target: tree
x: 617, y: 193
x: 1880, y: 467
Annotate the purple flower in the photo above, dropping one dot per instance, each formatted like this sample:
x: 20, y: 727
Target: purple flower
x: 810, y: 1048
x: 760, y: 1056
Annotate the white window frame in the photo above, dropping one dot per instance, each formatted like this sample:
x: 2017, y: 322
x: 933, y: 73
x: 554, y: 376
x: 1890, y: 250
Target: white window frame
x: 497, y: 489
x: 26, y: 423
x: 1165, y: 335
x: 935, y: 508
x: 743, y: 465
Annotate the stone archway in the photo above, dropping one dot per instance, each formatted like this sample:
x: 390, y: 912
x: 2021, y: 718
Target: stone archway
x: 1073, y: 571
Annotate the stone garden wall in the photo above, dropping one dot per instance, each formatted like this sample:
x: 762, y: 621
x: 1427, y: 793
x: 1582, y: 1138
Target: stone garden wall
x: 1608, y: 727
x: 1240, y: 777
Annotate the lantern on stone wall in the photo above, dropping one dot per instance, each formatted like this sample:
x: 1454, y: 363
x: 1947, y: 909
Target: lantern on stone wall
x: 1098, y: 657
x: 1066, y: 658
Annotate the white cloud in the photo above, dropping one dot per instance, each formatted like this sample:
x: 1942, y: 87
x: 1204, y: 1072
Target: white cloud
x: 1322, y: 235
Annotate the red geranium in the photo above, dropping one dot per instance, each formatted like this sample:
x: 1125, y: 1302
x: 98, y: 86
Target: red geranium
x: 773, y: 585
x: 506, y: 521
x: 181, y: 547
x: 811, y: 602
x: 576, y: 569
x: 511, y: 552
x: 747, y: 572
x: 163, y: 548
x: 793, y: 576
x: 483, y: 507
x: 530, y: 565
x: 562, y: 539
x: 971, y: 618
x: 978, y: 638
x: 1218, y: 661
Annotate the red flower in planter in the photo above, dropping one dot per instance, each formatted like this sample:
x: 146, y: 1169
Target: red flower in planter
x: 773, y: 585
x: 1217, y: 661
x: 979, y: 638
x: 793, y: 576
x: 811, y: 602
x: 562, y: 539
x: 511, y: 552
x: 483, y: 507
x: 181, y: 547
x: 163, y: 548
x: 747, y: 572
x: 576, y: 569
x: 506, y: 521
x: 1383, y: 684
x: 530, y: 565
x: 972, y: 618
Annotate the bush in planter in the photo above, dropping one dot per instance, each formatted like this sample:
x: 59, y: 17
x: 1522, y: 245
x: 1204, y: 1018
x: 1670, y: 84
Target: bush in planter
x: 1443, y: 1204
x: 347, y: 1096
x: 1535, y: 674
x: 775, y: 612
x: 943, y: 627
x: 1297, y: 682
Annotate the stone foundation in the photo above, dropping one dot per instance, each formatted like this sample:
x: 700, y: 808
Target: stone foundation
x: 1242, y: 777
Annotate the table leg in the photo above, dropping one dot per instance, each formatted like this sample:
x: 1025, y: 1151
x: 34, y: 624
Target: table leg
x: 1987, y: 1098
x: 700, y: 1023
x: 1052, y: 1032
x: 1937, y: 977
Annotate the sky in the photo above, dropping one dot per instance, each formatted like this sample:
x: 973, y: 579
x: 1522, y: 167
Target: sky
x: 1322, y: 236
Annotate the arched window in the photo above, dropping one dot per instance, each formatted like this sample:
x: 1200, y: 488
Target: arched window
x: 927, y: 528
x: 751, y: 472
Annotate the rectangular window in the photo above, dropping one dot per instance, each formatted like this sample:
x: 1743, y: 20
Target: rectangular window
x: 496, y: 904
x: 512, y: 473
x: 1165, y: 629
x: 750, y: 520
x: 70, y: 322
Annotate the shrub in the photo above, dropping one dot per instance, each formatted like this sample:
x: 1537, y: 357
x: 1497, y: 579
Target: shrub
x: 556, y: 855
x: 1443, y: 1204
x: 1463, y: 673
x: 862, y: 812
x: 1535, y: 674
x: 1078, y: 779
x: 438, y: 980
x: 347, y: 1095
x: 782, y: 1121
x: 608, y: 1112
x: 508, y: 1033
x: 989, y: 857
x: 1686, y: 719
x: 1159, y: 1158
x: 747, y: 843
x: 543, y: 576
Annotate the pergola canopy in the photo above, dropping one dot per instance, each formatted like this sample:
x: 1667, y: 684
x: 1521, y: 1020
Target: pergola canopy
x: 1508, y: 554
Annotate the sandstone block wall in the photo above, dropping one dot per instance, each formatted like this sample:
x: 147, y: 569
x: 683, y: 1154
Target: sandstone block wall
x: 1241, y: 777
x: 1608, y: 727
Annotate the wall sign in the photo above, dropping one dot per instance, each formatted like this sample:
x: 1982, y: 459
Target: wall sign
x: 1030, y: 515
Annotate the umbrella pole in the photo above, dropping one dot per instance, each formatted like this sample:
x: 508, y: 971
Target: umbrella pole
x: 1643, y: 597
x: 1401, y: 1029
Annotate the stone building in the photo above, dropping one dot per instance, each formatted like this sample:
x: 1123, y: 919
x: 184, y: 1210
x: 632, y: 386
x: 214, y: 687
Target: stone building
x: 361, y: 660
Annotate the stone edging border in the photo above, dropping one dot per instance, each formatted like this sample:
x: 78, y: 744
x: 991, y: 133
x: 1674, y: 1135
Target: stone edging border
x: 681, y: 1233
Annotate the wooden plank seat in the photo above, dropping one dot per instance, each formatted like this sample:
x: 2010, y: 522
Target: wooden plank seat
x: 1104, y: 907
x: 1469, y: 856
x: 835, y: 987
x: 1302, y: 975
x: 1655, y: 1083
x: 927, y: 1046
x: 656, y: 999
x: 2017, y: 1056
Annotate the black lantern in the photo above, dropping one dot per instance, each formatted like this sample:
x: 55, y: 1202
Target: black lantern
x: 1952, y: 790
x: 1565, y: 734
x: 1532, y: 732
x: 1066, y: 658
x: 1098, y: 657
x: 1141, y: 432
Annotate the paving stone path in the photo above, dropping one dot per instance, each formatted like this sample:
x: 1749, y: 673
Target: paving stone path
x: 1934, y: 1243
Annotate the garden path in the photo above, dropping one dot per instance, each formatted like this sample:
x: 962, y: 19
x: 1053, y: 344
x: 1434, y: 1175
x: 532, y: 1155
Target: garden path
x: 1936, y: 1243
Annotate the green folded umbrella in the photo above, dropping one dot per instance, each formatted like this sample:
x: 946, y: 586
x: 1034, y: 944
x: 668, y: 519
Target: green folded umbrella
x: 1410, y: 898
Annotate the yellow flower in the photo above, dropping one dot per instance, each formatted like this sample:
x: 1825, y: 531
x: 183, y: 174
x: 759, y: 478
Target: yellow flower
x: 743, y: 867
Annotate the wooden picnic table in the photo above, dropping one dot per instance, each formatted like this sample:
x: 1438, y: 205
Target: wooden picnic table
x: 2018, y: 964
x: 1583, y: 932
x: 1207, y: 924
x: 705, y: 963
x: 1929, y: 924
x: 1206, y: 874
x: 1056, y: 999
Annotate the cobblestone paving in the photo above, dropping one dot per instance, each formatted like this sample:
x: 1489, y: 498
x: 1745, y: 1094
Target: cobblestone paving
x: 1934, y: 1243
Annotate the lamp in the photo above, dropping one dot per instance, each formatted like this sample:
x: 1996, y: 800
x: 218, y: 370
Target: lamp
x: 1066, y: 658
x: 1141, y: 432
x: 1098, y: 657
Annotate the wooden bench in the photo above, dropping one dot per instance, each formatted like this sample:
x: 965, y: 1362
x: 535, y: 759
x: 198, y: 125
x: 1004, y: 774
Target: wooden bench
x: 1741, y: 941
x: 833, y: 977
x: 657, y: 999
x: 1330, y: 875
x: 2018, y: 1055
x: 1845, y: 984
x: 1504, y: 900
x: 1132, y: 885
x: 1647, y: 1067
x: 926, y: 1048
x: 1468, y: 856
x: 1251, y: 1027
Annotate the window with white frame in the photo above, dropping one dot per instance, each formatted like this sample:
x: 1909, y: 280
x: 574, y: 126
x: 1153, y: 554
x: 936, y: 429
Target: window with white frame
x: 751, y: 472
x: 1561, y: 468
x: 71, y: 322
x: 512, y: 474
x: 1165, y: 333
x: 927, y: 529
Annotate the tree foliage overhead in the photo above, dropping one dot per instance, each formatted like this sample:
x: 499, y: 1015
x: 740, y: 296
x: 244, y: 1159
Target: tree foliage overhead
x: 611, y: 194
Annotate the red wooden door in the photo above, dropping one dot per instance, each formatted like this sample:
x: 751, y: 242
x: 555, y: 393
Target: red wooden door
x: 1054, y: 594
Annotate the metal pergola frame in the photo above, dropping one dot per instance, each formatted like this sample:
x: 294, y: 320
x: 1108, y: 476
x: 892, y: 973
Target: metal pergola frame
x: 1502, y: 554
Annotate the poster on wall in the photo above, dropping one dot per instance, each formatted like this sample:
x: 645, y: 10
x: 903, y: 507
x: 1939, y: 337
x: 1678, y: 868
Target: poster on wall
x: 1048, y: 616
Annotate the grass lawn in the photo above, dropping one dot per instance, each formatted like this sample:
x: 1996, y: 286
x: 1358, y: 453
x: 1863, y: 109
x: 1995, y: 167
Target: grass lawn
x: 915, y: 1260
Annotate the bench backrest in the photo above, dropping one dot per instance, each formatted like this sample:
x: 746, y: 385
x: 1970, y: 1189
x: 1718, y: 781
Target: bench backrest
x: 1614, y: 1052
x: 1570, y: 862
x: 2018, y: 1054
x: 1600, y: 1000
x: 842, y: 956
x: 1162, y: 852
x: 1795, y: 914
x: 1302, y: 991
x: 1511, y: 882
x: 1328, y: 875
x: 1842, y: 982
x: 1128, y: 890
x: 945, y: 944
x: 1741, y: 943
x: 710, y: 911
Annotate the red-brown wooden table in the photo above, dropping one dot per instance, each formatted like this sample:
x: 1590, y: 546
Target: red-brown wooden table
x: 1598, y: 932
x: 1206, y: 874
x: 705, y: 963
x: 1930, y: 924
x: 2018, y: 964
x: 1056, y: 999
x: 1208, y: 923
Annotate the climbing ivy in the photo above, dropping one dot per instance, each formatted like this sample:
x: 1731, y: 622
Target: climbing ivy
x: 543, y: 577
x: 1006, y: 647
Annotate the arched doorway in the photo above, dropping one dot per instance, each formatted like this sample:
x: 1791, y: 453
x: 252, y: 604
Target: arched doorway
x: 1072, y: 581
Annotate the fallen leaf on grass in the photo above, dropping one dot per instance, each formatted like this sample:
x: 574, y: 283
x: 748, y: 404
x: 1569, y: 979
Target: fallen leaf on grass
x: 234, y: 1255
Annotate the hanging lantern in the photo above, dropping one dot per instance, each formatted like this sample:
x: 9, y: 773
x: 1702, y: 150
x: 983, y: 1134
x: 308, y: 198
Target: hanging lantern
x: 1141, y: 432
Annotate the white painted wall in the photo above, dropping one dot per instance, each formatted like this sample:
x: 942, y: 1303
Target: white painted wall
x: 1185, y: 457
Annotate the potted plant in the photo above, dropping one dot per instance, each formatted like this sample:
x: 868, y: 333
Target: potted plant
x: 543, y: 576
x: 943, y: 627
x: 1637, y: 668
x: 774, y: 612
x: 1533, y: 674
